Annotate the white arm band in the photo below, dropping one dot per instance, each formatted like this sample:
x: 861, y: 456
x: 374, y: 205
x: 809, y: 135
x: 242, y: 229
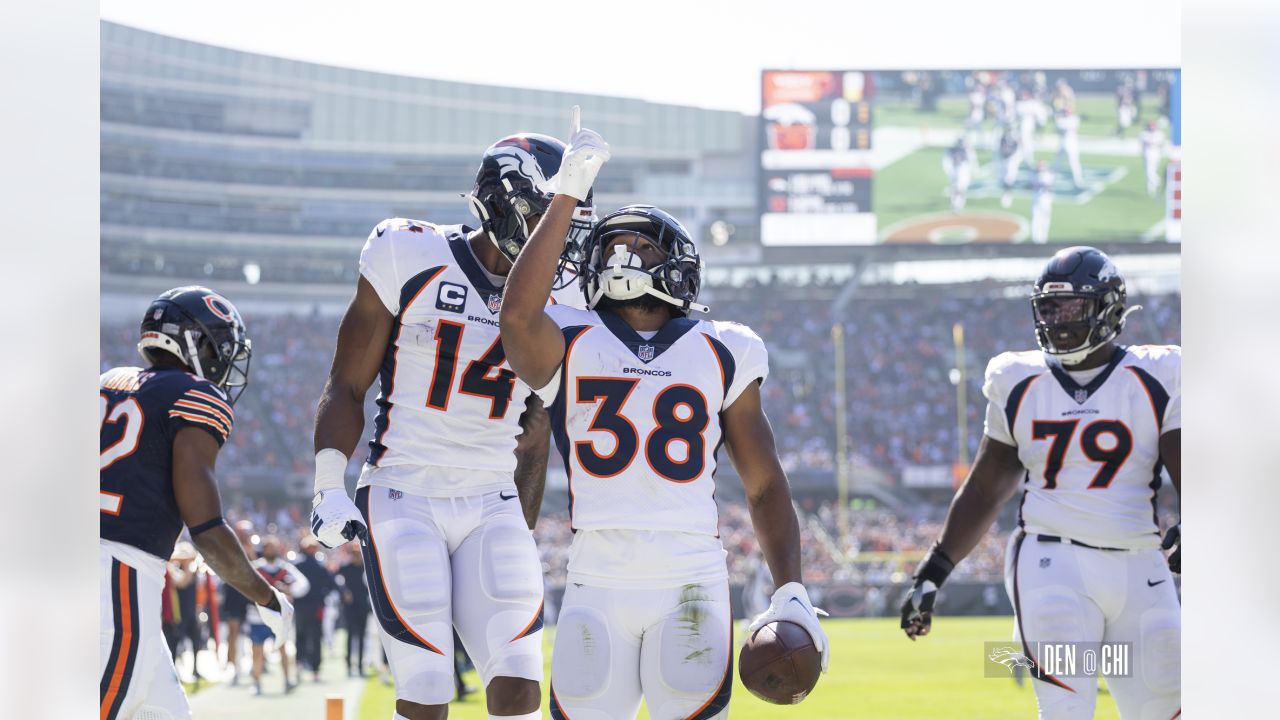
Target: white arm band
x: 331, y: 470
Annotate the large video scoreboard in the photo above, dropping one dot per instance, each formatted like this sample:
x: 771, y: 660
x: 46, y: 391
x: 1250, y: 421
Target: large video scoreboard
x: 853, y: 157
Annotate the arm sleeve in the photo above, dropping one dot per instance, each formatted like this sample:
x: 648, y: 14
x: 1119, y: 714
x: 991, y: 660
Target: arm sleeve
x: 549, y: 391
x: 996, y: 426
x: 751, y: 359
x: 378, y: 264
x: 205, y: 407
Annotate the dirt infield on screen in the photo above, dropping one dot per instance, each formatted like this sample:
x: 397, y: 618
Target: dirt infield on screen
x: 875, y: 673
x: 911, y: 199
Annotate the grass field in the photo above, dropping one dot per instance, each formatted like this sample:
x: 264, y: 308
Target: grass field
x: 875, y: 673
x: 1097, y: 114
x: 916, y: 185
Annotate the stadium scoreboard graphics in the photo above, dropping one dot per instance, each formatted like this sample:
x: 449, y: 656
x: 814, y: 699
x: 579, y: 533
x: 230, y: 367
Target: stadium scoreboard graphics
x: 816, y: 159
x: 856, y: 157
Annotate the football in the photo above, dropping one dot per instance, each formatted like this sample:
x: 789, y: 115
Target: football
x: 779, y: 663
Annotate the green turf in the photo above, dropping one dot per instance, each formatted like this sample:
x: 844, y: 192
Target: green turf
x: 1097, y: 114
x: 916, y: 185
x: 875, y: 673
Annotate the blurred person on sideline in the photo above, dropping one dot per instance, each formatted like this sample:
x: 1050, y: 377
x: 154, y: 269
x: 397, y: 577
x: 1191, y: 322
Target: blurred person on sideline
x: 181, y: 616
x: 355, y: 608
x: 235, y: 606
x: 309, y: 608
x: 285, y: 578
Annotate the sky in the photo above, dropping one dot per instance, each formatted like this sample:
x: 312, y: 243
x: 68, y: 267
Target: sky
x: 706, y: 53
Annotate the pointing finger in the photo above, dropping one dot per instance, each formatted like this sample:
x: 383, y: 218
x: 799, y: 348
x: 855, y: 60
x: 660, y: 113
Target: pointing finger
x: 575, y: 120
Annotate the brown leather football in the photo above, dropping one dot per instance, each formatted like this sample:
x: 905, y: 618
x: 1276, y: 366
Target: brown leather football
x: 779, y: 663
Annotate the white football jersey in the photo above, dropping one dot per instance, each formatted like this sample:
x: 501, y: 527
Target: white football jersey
x: 1091, y: 452
x: 637, y: 421
x: 449, y: 406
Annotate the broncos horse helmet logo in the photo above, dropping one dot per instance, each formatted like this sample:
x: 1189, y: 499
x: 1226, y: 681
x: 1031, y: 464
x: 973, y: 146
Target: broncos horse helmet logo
x: 1010, y: 658
x: 519, y: 160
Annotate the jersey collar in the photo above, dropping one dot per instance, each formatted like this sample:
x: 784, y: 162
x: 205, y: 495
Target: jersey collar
x: 646, y: 350
x: 475, y: 274
x: 1081, y: 393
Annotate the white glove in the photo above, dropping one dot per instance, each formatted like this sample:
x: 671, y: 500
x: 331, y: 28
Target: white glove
x: 335, y: 519
x: 790, y: 603
x: 586, y: 154
x: 280, y: 621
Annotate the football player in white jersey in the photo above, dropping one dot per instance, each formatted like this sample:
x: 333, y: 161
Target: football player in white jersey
x: 641, y: 396
x: 1084, y: 425
x: 457, y: 439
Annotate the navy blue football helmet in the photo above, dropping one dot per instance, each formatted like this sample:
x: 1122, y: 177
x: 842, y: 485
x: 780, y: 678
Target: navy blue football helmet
x: 203, y: 330
x: 512, y: 188
x: 1078, y: 304
x: 608, y: 271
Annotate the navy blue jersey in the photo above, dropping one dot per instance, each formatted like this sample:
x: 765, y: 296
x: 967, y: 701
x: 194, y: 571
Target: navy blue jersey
x: 141, y: 413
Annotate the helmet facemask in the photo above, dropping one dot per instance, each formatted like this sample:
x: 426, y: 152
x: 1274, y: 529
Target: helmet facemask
x: 511, y: 188
x: 1071, y: 326
x: 220, y: 355
x: 505, y: 216
x: 616, y: 272
x: 571, y: 259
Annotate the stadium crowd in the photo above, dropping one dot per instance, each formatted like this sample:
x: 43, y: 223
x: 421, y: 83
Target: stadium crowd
x: 901, y: 413
x: 901, y: 407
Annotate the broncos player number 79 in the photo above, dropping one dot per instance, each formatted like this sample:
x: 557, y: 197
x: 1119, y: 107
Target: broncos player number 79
x: 1085, y: 426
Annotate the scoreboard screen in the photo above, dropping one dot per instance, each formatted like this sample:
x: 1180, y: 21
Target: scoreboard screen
x: 815, y: 164
x: 863, y: 157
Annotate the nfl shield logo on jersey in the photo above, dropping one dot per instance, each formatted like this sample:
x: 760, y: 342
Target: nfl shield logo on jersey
x: 495, y: 302
x: 1080, y: 396
x: 645, y: 353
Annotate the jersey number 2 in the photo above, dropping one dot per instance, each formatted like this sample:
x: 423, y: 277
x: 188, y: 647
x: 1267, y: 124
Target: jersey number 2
x: 130, y: 413
x: 1062, y: 430
x: 680, y: 412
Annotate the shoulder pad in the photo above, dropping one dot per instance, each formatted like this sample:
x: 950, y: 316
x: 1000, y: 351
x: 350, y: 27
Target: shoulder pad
x: 1008, y: 369
x: 1162, y: 361
x: 406, y: 225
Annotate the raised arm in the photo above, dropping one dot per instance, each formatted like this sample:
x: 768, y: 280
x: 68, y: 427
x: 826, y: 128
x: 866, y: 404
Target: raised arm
x: 532, y: 340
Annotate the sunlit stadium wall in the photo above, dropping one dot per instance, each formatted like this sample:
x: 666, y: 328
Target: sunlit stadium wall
x: 219, y: 164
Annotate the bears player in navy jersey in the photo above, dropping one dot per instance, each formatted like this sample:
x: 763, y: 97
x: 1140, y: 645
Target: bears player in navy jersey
x: 1085, y: 426
x: 162, y: 427
x: 641, y: 397
x: 457, y: 439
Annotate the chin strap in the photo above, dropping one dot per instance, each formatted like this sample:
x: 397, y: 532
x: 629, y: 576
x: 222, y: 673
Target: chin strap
x: 619, y: 263
x: 193, y: 356
x: 686, y: 305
